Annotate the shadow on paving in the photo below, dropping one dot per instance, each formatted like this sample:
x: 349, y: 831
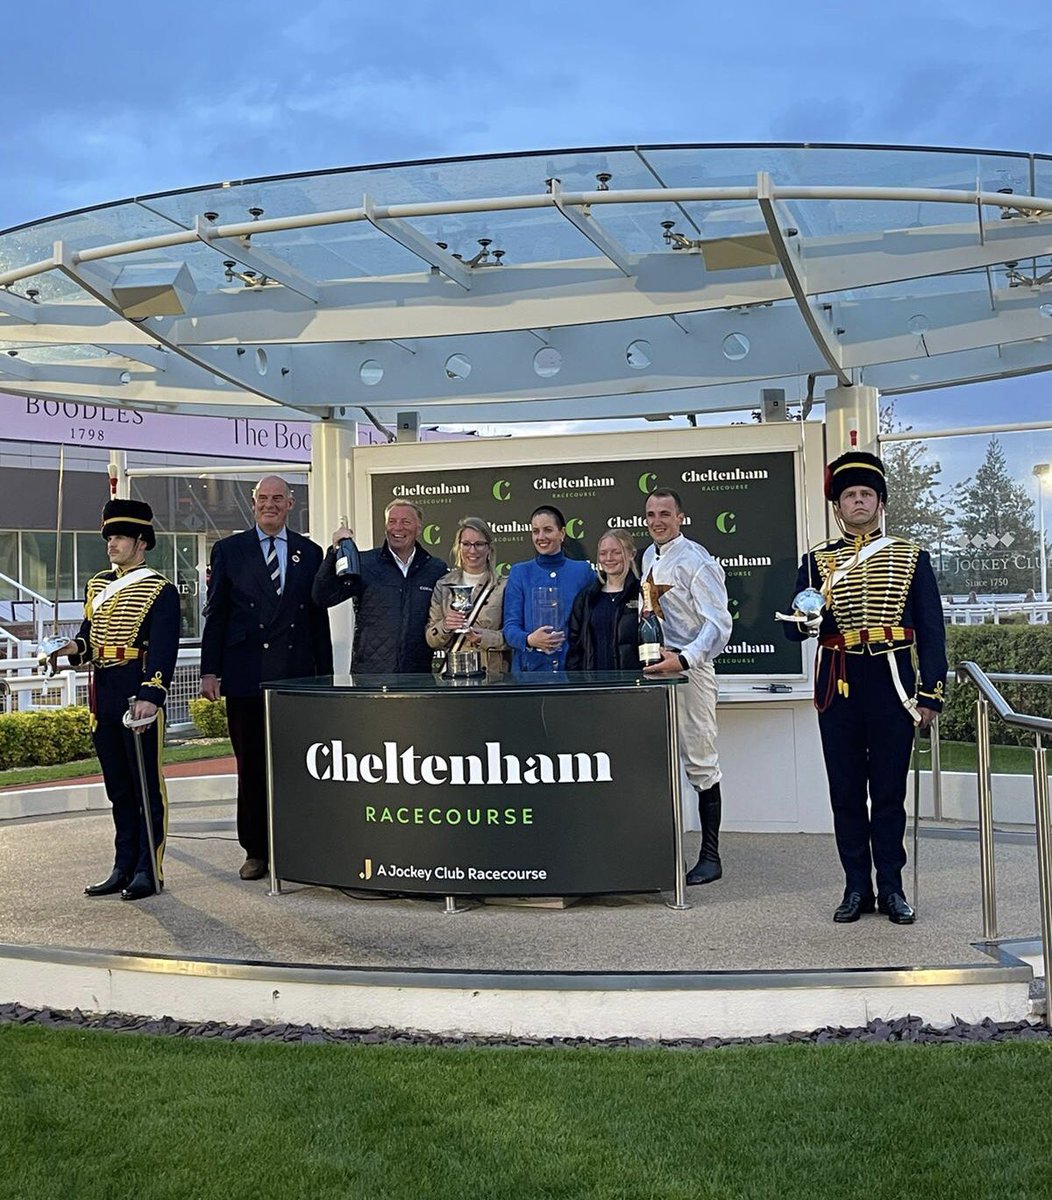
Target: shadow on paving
x: 772, y: 910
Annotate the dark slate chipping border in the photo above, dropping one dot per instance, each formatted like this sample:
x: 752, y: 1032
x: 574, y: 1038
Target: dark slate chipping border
x: 903, y: 1030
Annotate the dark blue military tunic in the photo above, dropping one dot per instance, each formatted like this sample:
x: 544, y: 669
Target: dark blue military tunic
x: 881, y: 654
x: 130, y: 637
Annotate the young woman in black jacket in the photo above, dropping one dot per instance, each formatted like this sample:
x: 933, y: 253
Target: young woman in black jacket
x: 604, y: 622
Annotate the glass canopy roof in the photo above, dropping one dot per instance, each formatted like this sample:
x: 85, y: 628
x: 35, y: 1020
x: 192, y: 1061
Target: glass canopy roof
x: 607, y: 282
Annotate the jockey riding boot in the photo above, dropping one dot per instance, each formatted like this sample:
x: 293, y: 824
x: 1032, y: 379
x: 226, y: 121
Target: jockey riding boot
x: 708, y: 868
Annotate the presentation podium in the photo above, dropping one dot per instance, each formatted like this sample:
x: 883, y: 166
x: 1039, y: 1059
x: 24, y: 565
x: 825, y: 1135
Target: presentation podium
x: 512, y: 785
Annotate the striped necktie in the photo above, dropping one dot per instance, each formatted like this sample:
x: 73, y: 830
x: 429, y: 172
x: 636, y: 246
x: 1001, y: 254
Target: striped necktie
x: 273, y: 566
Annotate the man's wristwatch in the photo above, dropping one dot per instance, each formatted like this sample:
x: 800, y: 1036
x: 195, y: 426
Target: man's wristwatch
x: 683, y: 662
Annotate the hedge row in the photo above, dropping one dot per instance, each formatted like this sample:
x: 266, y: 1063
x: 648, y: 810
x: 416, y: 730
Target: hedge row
x: 1013, y: 649
x: 62, y: 735
x: 37, y: 739
x: 210, y: 717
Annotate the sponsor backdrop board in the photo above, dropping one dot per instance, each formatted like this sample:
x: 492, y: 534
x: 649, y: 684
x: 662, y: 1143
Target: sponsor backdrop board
x: 474, y: 791
x: 741, y: 507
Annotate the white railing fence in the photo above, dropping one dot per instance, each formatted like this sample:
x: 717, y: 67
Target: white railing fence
x: 24, y: 689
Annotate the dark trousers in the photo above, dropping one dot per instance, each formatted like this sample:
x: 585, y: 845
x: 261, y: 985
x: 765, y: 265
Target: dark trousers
x: 867, y: 737
x: 246, y: 721
x: 115, y: 747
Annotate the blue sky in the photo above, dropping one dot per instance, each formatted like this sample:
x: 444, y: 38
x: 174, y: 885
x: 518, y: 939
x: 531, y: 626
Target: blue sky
x: 109, y: 100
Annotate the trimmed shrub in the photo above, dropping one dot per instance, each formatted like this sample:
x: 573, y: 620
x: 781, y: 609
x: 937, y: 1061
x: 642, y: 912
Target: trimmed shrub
x: 45, y: 737
x: 1012, y: 649
x: 210, y: 717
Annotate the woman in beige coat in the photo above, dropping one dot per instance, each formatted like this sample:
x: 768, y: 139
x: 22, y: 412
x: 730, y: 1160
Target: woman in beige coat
x: 473, y: 556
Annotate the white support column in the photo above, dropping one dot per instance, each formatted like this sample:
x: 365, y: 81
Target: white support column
x: 331, y: 498
x: 119, y: 470
x: 851, y: 410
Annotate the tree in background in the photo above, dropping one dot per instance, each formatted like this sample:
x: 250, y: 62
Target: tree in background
x: 916, y: 510
x: 995, y: 517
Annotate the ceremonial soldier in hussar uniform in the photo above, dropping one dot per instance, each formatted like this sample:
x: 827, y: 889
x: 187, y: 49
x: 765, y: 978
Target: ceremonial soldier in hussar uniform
x: 130, y: 638
x: 880, y: 673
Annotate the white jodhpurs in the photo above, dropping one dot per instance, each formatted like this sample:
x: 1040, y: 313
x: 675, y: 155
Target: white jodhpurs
x: 696, y: 725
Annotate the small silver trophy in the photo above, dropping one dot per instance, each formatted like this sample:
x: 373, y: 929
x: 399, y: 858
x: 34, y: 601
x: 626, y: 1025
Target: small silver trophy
x: 461, y: 661
x: 460, y: 597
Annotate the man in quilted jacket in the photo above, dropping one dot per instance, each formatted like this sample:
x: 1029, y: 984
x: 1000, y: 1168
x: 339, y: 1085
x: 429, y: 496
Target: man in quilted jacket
x: 391, y: 595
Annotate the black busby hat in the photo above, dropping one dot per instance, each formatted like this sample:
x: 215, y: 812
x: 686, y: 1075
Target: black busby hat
x: 129, y: 518
x: 857, y: 468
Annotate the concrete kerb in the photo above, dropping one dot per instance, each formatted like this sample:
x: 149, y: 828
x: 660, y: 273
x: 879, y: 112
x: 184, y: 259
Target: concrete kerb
x: 73, y: 797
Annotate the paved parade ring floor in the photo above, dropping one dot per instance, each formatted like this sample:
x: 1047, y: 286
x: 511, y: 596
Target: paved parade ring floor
x: 768, y: 917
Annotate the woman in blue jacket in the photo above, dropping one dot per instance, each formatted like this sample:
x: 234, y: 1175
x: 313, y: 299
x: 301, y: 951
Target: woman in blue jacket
x: 539, y: 644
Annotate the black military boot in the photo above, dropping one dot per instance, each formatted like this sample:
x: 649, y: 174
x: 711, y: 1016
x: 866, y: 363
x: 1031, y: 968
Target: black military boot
x: 708, y: 868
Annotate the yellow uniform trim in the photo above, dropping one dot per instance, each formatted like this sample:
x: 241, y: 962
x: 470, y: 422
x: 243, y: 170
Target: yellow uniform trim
x: 885, y: 634
x: 116, y: 653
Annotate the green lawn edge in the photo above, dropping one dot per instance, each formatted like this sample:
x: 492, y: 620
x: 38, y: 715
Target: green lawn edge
x: 56, y: 773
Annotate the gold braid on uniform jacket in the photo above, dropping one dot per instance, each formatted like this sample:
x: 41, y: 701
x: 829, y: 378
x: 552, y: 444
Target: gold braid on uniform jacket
x: 872, y: 592
x: 119, y: 620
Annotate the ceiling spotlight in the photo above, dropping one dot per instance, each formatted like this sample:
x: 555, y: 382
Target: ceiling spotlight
x: 676, y: 240
x: 211, y: 216
x: 602, y: 181
x: 1016, y: 278
x: 255, y: 213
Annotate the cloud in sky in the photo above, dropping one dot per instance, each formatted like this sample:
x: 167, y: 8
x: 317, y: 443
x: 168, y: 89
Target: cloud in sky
x: 122, y: 99
x: 126, y: 99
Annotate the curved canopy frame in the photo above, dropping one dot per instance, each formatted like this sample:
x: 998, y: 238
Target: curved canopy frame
x: 617, y: 282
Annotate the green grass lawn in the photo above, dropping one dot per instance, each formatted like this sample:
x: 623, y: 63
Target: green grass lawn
x: 960, y: 756
x: 97, y: 1116
x: 30, y: 776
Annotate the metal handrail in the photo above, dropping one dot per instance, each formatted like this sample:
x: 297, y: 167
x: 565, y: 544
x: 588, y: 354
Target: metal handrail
x: 989, y: 697
x: 38, y: 620
x: 28, y: 590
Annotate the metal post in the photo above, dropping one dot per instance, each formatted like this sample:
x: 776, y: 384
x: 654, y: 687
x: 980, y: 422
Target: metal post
x: 936, y: 771
x: 986, y: 819
x: 1044, y: 862
x: 1040, y: 471
x: 275, y: 883
x: 680, y: 902
x: 916, y: 811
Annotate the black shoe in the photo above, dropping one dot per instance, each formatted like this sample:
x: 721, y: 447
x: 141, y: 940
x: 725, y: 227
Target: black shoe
x: 705, y: 871
x: 140, y: 887
x: 109, y: 887
x: 896, y: 908
x: 853, y: 905
x: 254, y: 868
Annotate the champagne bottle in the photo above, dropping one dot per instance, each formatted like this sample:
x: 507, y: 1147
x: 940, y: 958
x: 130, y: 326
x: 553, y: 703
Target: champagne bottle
x: 347, y: 559
x: 650, y: 638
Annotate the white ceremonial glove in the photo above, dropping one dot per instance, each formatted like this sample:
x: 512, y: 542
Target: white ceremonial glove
x: 812, y: 624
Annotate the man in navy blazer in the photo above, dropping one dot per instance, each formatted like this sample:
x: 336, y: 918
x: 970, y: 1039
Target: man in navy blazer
x: 260, y: 624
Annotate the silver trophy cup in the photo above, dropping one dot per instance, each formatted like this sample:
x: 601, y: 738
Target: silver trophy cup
x: 462, y: 661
